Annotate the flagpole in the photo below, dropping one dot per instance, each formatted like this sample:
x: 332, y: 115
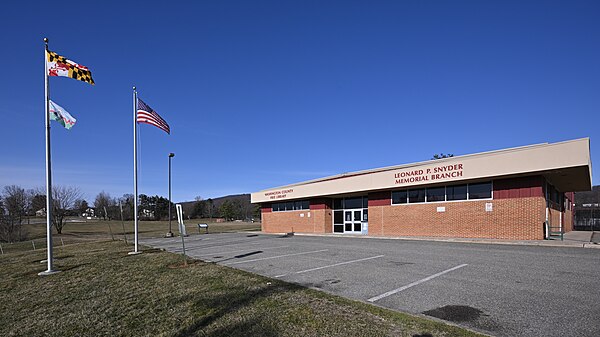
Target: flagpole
x: 50, y: 269
x: 135, y: 178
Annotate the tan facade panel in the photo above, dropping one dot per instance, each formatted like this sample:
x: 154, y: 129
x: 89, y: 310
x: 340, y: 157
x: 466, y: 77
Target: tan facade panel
x: 566, y: 165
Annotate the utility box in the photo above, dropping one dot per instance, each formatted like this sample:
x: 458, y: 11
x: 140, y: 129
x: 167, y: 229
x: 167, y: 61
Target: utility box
x: 365, y: 228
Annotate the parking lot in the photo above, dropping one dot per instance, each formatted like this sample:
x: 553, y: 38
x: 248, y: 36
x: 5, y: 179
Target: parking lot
x: 501, y: 290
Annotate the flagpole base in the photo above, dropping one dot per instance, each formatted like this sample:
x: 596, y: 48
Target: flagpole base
x: 169, y: 235
x: 48, y: 272
x: 134, y: 253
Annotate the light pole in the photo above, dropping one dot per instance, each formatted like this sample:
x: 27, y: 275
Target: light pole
x: 170, y: 233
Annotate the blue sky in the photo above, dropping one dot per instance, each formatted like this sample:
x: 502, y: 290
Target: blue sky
x: 266, y: 93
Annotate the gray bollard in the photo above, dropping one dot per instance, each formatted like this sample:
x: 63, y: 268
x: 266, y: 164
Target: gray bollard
x: 62, y: 242
x: 1, y: 250
x: 33, y: 243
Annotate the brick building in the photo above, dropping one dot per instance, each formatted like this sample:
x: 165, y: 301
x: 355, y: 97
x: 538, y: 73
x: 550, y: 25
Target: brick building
x: 515, y: 193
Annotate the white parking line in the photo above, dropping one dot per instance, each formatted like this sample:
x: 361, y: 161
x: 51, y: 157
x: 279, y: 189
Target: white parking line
x: 392, y: 292
x: 275, y: 257
x: 241, y: 250
x: 331, y: 265
x: 195, y: 240
x: 178, y: 249
x: 229, y: 243
x: 224, y: 241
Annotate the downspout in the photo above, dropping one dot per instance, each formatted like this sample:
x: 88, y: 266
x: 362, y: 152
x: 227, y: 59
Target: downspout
x: 547, y: 225
x: 562, y: 209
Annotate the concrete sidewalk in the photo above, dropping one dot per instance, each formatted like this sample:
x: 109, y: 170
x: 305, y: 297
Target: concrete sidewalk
x: 579, y: 236
x: 581, y: 239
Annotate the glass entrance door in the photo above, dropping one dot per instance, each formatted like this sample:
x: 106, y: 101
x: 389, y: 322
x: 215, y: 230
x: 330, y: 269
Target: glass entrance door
x: 352, y: 220
x: 350, y: 215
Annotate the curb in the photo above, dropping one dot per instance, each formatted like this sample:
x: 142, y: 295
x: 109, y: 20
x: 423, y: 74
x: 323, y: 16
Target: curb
x: 536, y: 243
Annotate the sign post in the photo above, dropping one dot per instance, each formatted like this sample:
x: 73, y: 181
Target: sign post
x: 182, y: 232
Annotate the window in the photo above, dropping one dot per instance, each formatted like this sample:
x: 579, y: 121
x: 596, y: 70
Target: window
x: 456, y: 192
x: 357, y: 215
x: 480, y: 191
x: 399, y: 197
x: 446, y: 193
x: 337, y: 204
x: 290, y: 206
x: 436, y: 194
x: 338, y: 217
x: 417, y: 195
x: 348, y: 203
x: 353, y: 203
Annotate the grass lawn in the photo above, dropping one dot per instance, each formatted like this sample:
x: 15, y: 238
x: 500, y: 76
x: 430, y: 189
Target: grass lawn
x: 81, y: 230
x: 103, y: 291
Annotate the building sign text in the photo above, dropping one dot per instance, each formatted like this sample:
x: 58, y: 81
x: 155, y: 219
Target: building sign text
x: 429, y: 174
x: 278, y: 194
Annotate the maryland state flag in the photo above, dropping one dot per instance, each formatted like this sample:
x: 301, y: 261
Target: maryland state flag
x: 61, y: 66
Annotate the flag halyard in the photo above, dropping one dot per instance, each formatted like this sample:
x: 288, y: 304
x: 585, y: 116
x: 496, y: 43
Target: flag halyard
x: 61, y: 66
x: 145, y: 114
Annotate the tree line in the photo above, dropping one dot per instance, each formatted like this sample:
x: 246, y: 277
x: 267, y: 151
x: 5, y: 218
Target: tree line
x: 18, y: 205
x: 237, y: 207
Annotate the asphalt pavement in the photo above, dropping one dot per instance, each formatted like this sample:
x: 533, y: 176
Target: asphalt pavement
x: 501, y: 290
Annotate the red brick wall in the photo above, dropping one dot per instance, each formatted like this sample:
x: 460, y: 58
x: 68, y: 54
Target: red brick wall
x: 569, y: 211
x: 523, y: 187
x: 518, y: 213
x: 517, y: 219
x: 380, y: 198
x: 376, y: 201
x: 554, y: 218
x: 313, y: 221
x: 321, y: 203
x: 568, y: 220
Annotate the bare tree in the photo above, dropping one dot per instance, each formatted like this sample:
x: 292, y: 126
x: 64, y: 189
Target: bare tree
x: 103, y: 201
x: 3, y: 221
x: 80, y: 206
x: 38, y: 200
x: 127, y: 202
x: 63, y: 199
x: 16, y: 204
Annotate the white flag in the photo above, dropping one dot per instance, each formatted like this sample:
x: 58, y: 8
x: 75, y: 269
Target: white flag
x: 61, y: 115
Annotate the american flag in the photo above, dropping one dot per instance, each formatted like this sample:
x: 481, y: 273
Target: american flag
x: 145, y: 114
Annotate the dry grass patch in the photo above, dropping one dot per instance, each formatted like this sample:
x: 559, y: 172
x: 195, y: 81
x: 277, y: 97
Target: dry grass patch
x: 104, y: 291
